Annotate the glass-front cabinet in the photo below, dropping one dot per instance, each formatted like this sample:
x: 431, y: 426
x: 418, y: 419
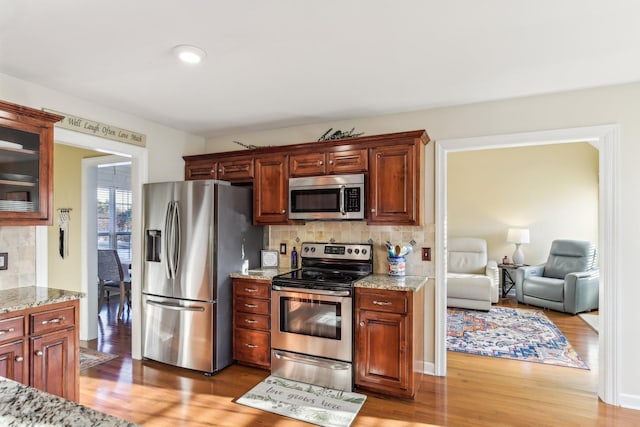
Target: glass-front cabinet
x: 26, y: 165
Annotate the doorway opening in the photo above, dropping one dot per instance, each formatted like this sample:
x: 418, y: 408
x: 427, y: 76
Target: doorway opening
x: 606, y: 140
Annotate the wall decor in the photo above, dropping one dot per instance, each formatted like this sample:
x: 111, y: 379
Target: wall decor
x: 4, y: 260
x: 338, y: 134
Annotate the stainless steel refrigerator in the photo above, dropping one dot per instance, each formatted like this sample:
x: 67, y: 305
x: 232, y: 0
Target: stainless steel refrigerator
x: 195, y: 234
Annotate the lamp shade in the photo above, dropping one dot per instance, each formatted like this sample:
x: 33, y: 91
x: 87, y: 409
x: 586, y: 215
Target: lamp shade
x: 518, y: 235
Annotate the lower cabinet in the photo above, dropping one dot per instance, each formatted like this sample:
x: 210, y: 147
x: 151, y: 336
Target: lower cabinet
x: 40, y: 347
x: 252, y: 322
x: 389, y: 341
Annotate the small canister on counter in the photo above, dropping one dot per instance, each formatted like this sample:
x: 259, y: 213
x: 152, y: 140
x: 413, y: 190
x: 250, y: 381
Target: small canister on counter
x: 397, y: 265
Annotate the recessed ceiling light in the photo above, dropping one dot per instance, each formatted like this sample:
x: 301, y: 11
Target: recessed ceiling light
x: 189, y: 54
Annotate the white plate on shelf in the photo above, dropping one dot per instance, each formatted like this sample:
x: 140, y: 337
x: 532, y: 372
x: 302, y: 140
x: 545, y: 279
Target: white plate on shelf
x: 16, y: 206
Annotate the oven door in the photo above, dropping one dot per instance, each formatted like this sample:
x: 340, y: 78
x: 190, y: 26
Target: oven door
x: 313, y: 322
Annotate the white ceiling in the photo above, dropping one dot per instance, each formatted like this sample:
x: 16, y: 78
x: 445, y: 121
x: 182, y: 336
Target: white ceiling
x: 279, y: 63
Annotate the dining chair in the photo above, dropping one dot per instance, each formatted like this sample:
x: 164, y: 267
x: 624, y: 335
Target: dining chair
x: 112, y: 275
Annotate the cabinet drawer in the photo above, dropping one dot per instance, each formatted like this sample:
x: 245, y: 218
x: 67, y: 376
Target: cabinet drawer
x: 252, y: 321
x: 12, y: 328
x: 390, y: 301
x: 252, y: 305
x: 253, y: 289
x: 51, y: 320
x: 252, y: 347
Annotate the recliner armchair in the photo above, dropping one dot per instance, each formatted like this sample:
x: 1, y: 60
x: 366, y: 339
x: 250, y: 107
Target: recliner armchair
x: 472, y: 280
x: 567, y: 282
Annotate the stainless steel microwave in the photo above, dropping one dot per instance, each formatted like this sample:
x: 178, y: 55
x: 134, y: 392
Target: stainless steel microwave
x: 330, y: 197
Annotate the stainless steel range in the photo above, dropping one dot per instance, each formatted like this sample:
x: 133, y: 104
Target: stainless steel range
x: 312, y: 314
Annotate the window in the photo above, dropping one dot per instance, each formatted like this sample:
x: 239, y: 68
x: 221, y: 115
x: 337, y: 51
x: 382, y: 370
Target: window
x: 114, y: 217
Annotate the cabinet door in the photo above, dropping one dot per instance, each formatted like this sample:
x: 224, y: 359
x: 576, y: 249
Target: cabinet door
x: 271, y: 184
x: 12, y: 362
x: 393, y: 185
x: 382, y: 359
x: 200, y: 169
x: 239, y: 170
x: 349, y: 161
x: 54, y: 362
x: 309, y: 164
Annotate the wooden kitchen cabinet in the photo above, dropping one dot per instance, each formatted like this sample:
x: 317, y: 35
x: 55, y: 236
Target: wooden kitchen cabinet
x: 40, y: 348
x: 200, y: 169
x: 252, y: 322
x: 393, y: 165
x: 389, y: 341
x: 26, y: 165
x: 394, y: 185
x: 270, y: 190
x: 331, y: 162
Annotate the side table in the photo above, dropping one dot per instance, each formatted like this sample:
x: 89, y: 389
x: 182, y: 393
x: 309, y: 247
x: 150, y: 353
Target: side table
x: 507, y: 282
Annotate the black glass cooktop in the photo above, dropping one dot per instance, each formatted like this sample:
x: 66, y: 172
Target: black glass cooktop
x: 322, y: 275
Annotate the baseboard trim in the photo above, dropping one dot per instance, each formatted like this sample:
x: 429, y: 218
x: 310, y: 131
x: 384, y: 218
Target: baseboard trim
x: 630, y: 401
x: 428, y: 368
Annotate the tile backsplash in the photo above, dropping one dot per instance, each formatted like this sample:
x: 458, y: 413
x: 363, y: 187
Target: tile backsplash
x: 360, y: 232
x: 20, y: 245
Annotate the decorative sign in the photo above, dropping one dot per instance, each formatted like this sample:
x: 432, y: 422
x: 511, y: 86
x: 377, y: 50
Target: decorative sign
x: 91, y: 127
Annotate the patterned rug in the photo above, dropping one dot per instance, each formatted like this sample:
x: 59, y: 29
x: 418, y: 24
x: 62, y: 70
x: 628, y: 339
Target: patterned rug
x: 90, y: 358
x: 313, y: 404
x: 510, y: 333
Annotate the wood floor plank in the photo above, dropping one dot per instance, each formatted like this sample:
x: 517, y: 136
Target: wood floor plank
x: 478, y: 390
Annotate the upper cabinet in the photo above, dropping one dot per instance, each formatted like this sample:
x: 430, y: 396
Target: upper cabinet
x: 270, y: 190
x: 26, y: 165
x: 393, y: 165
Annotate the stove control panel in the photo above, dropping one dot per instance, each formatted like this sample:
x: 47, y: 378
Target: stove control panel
x: 346, y: 251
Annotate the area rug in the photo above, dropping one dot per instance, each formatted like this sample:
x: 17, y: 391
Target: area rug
x: 591, y: 319
x: 510, y: 333
x: 90, y: 358
x: 313, y: 404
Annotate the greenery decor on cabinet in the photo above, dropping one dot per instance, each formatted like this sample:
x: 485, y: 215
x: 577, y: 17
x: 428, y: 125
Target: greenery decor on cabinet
x: 26, y: 165
x: 398, y: 155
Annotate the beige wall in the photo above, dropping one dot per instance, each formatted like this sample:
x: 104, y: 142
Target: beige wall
x: 65, y: 273
x: 550, y: 189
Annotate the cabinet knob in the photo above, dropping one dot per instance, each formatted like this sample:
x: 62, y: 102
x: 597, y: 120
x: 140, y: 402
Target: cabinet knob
x: 362, y: 324
x: 4, y: 331
x: 39, y: 353
x: 19, y: 359
x: 220, y: 170
x: 251, y: 345
x: 373, y: 210
x: 330, y: 162
x: 382, y: 302
x: 321, y: 163
x: 250, y: 290
x: 283, y: 212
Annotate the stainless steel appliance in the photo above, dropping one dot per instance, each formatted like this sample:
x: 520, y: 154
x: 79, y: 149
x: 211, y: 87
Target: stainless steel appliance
x: 327, y: 197
x: 195, y: 234
x: 312, y: 314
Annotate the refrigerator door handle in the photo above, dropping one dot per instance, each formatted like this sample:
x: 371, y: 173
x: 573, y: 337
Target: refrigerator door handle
x: 167, y: 240
x: 175, y: 306
x: 176, y: 238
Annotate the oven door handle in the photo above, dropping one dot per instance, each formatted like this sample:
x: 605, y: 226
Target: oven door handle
x: 312, y: 361
x: 312, y: 291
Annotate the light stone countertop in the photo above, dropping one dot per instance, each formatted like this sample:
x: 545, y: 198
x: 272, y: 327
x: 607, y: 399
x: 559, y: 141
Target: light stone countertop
x: 392, y: 283
x: 374, y: 281
x: 261, y: 274
x: 24, y: 406
x: 33, y: 296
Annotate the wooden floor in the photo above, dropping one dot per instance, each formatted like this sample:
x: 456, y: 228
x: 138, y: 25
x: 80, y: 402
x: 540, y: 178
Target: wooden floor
x: 478, y: 391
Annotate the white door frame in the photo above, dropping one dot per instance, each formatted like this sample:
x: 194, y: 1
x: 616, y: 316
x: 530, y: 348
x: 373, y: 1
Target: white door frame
x: 606, y: 139
x: 139, y: 176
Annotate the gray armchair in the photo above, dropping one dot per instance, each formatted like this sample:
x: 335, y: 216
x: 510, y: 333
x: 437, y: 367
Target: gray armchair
x: 567, y: 282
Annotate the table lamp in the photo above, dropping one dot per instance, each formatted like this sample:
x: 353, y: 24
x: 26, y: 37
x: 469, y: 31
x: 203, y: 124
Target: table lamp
x: 518, y: 236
